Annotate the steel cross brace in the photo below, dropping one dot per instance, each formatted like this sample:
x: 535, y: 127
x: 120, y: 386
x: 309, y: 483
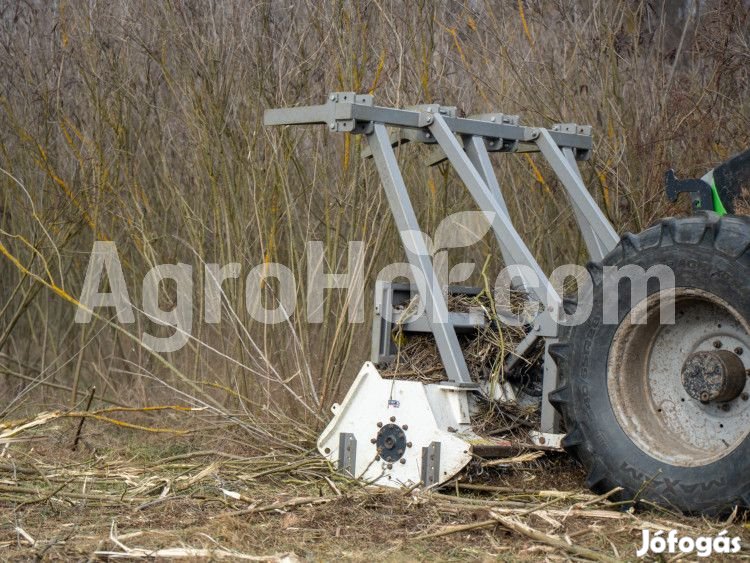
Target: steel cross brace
x: 599, y: 236
x: 497, y: 213
x: 418, y: 256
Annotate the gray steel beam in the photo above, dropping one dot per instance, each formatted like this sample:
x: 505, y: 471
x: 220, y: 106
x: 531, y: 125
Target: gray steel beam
x: 477, y: 152
x: 591, y: 216
x: 347, y: 110
x: 596, y: 247
x: 303, y: 115
x: 518, y: 252
x: 418, y: 256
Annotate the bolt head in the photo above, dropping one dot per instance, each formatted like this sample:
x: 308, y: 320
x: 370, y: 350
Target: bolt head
x: 717, y: 344
x: 389, y: 466
x: 373, y: 440
x: 745, y: 396
x: 738, y: 351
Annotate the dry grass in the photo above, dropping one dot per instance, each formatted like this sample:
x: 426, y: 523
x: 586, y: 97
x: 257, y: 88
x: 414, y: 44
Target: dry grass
x: 127, y: 495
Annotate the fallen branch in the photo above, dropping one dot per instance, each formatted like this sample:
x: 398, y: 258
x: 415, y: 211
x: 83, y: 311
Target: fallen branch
x: 278, y: 506
x: 83, y: 419
x: 536, y: 535
x: 194, y: 553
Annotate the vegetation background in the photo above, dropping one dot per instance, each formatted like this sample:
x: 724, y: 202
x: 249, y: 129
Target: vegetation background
x: 141, y: 123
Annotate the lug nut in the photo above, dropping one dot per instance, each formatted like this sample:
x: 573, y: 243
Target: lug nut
x: 405, y: 427
x: 373, y: 440
x: 380, y: 425
x: 738, y: 351
x: 408, y: 444
x: 717, y: 344
x: 389, y: 466
x: 393, y: 419
x: 402, y: 461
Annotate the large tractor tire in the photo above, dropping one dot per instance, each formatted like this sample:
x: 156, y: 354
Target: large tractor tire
x: 662, y: 410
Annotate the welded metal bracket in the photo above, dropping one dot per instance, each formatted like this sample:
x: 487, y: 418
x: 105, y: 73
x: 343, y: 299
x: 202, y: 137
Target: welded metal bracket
x: 431, y: 465
x: 347, y: 453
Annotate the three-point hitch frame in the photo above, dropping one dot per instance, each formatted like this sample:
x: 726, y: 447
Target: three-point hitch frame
x: 466, y: 144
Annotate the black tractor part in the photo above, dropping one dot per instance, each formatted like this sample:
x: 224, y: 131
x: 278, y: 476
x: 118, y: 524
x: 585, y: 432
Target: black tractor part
x: 662, y: 410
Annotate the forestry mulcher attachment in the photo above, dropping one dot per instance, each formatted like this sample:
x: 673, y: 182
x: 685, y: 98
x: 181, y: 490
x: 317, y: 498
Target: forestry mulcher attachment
x: 658, y: 408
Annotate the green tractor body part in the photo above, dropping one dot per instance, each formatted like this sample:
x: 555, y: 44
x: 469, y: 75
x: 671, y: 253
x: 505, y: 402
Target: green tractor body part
x: 718, y: 189
x: 718, y: 206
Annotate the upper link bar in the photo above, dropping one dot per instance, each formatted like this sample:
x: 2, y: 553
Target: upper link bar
x: 355, y: 113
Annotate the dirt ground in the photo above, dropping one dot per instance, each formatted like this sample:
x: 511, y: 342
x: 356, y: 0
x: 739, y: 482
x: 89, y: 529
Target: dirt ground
x: 121, y: 494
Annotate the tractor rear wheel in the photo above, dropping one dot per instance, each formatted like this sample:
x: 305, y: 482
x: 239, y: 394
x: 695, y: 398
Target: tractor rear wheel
x: 662, y: 410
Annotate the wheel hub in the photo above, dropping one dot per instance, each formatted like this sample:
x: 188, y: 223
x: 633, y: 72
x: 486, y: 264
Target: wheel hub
x: 713, y: 376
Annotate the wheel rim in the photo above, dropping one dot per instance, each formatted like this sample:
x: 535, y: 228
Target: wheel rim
x: 646, y: 389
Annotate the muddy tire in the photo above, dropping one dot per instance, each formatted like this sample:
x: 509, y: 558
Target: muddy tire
x: 631, y: 419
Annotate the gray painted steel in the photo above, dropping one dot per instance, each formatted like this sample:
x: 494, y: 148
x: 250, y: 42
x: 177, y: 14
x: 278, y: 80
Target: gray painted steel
x: 502, y: 226
x: 591, y: 214
x: 347, y: 453
x: 418, y: 256
x: 431, y: 464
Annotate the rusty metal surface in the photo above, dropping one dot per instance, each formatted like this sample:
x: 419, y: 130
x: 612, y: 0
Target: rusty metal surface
x: 717, y: 375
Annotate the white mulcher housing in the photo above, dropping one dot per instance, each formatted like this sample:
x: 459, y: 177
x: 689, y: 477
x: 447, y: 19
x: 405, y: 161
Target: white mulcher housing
x: 399, y: 433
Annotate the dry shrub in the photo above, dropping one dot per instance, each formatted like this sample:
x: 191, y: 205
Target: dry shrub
x: 140, y: 123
